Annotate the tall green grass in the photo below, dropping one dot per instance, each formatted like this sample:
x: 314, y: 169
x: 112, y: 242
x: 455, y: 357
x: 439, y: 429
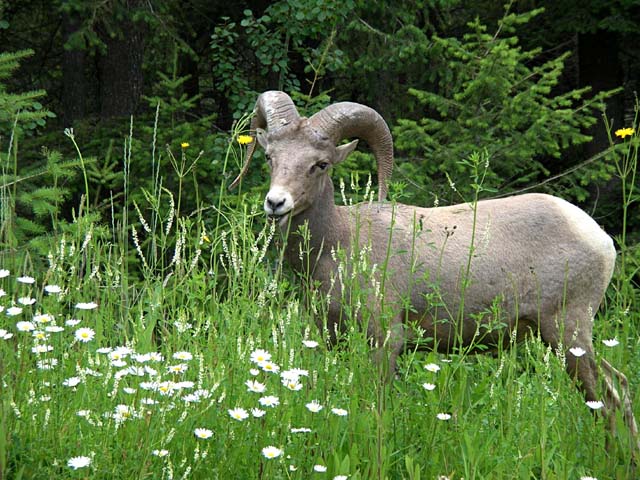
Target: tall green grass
x: 178, y: 307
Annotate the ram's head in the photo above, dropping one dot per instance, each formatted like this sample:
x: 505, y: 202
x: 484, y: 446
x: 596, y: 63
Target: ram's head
x: 301, y: 151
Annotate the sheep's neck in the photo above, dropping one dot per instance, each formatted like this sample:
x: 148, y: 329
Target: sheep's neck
x: 323, y: 220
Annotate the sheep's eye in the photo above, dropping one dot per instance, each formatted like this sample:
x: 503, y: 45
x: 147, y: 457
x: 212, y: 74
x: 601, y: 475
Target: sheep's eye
x: 320, y: 166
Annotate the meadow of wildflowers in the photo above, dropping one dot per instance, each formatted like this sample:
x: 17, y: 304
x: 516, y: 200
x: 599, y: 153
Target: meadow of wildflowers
x: 211, y: 366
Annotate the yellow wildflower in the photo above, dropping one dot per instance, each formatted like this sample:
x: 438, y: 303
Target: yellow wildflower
x: 624, y: 132
x: 244, y: 139
x: 184, y: 144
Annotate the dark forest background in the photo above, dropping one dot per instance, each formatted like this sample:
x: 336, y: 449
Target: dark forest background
x: 525, y: 83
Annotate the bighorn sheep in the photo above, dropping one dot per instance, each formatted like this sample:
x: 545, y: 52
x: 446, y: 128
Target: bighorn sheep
x: 546, y: 260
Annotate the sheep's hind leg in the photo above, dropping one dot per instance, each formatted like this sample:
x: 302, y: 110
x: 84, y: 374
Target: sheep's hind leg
x: 623, y: 403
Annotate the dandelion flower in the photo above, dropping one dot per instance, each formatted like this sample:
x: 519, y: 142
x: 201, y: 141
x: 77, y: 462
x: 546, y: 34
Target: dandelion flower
x: 255, y: 386
x: 13, y: 311
x: 239, y: 414
x: 611, y: 342
x: 432, y: 367
x: 78, y: 462
x: 443, y: 416
x: 86, y: 305
x: 269, y: 401
x: 203, y: 433
x: 594, y: 404
x: 577, y: 351
x: 182, y: 356
x: 260, y: 356
x: 314, y: 406
x: 310, y: 343
x: 428, y: 386
x: 25, y: 326
x: 26, y: 280
x: 624, y: 132
x: 319, y: 468
x: 271, y: 452
x: 184, y: 144
x: 245, y: 139
x: 4, y: 273
x: 160, y: 453
x: 84, y: 334
x: 341, y: 412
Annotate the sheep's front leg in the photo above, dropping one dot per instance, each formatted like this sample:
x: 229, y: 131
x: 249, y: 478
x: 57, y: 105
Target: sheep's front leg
x: 388, y: 345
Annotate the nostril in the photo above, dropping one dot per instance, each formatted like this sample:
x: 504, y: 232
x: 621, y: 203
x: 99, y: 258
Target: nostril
x: 275, y: 204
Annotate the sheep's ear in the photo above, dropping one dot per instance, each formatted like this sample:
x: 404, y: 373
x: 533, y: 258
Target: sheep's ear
x: 343, y: 150
x: 261, y: 135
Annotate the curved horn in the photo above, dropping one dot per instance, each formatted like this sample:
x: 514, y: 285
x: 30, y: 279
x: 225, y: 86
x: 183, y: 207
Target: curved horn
x: 273, y: 110
x: 347, y: 119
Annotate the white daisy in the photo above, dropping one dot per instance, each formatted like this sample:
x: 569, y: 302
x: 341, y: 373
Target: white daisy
x: 594, y: 404
x: 78, y: 462
x: 577, y: 351
x: 443, y: 416
x: 319, y: 468
x: 428, y: 386
x: 310, y: 343
x: 26, y: 279
x: 13, y: 311
x: 25, y: 326
x: 314, y: 406
x: 256, y: 412
x: 72, y: 322
x: 26, y: 300
x: 4, y: 272
x: 160, y: 453
x: 86, y: 305
x: 4, y: 335
x: 341, y: 412
x: 432, y: 367
x: 52, y: 289
x: 203, y: 433
x: 72, y: 382
x: 255, y: 386
x: 239, y: 414
x: 611, y: 342
x: 271, y: 452
x: 259, y: 356
x: 269, y: 401
x: 182, y: 356
x: 84, y: 334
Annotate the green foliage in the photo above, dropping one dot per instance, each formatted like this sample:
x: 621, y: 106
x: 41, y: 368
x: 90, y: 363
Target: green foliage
x: 491, y: 94
x: 20, y: 109
x: 267, y: 51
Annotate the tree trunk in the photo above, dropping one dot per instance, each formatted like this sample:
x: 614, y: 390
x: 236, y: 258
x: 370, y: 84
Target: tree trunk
x: 73, y: 81
x: 120, y: 68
